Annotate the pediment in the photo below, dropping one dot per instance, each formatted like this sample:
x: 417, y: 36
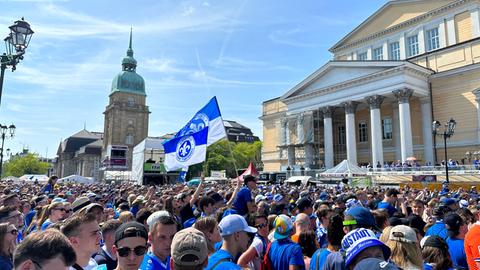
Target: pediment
x: 336, y: 72
x: 392, y: 13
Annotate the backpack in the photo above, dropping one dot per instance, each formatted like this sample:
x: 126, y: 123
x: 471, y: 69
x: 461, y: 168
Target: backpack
x: 266, y: 263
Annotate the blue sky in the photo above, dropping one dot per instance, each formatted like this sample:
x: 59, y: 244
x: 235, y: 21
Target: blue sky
x: 242, y: 51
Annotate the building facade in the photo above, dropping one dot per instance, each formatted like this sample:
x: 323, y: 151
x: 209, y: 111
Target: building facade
x: 408, y: 64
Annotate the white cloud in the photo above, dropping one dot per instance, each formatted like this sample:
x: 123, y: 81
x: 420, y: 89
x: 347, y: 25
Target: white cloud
x: 290, y: 37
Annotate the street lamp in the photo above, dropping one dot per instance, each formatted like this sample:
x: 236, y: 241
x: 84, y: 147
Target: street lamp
x: 15, y: 44
x: 5, y: 131
x: 447, y: 133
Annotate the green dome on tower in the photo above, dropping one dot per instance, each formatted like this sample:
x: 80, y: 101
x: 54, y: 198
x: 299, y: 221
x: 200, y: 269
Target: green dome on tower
x: 128, y: 80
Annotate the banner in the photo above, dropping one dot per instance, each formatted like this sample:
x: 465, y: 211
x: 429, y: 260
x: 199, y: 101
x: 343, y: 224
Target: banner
x: 181, y: 152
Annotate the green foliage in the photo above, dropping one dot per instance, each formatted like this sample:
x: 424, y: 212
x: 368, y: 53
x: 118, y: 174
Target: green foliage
x: 28, y: 164
x: 219, y: 157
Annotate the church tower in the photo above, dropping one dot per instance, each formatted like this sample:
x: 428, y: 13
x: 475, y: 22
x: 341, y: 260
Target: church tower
x: 126, y: 116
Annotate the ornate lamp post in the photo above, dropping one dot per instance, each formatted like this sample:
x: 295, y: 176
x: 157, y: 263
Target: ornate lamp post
x: 5, y: 131
x: 447, y: 133
x: 16, y: 43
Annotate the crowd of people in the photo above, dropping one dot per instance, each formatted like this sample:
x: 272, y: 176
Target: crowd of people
x: 242, y: 225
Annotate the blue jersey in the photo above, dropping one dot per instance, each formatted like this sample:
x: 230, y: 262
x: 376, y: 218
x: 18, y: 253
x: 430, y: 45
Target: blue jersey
x: 457, y: 252
x: 152, y: 262
x: 437, y: 229
x: 222, y: 260
x: 284, y: 253
x: 240, y: 203
x: 319, y: 257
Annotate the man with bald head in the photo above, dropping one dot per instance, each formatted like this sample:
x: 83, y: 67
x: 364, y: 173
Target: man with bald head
x: 302, y: 224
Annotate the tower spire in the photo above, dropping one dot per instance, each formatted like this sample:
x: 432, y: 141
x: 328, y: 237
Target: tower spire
x: 129, y: 63
x: 130, y: 50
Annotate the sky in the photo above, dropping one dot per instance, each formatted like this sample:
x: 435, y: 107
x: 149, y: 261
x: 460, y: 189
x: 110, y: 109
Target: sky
x: 243, y: 52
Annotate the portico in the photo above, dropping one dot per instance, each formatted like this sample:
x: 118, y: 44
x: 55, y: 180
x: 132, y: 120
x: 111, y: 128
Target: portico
x: 353, y: 89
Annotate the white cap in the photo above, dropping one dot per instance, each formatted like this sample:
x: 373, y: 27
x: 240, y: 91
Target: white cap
x: 234, y: 223
x: 259, y: 198
x: 153, y: 218
x: 463, y: 203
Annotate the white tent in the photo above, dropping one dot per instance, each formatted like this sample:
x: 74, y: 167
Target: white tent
x: 74, y: 178
x: 138, y: 158
x: 344, y: 169
x: 34, y: 177
x: 300, y: 179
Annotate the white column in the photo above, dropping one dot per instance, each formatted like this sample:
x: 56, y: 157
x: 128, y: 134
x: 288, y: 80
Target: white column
x: 477, y: 98
x: 291, y: 156
x: 426, y: 108
x: 421, y: 41
x: 406, y: 145
x: 385, y: 51
x: 396, y: 131
x: 475, y: 23
x: 328, y: 136
x: 376, y: 129
x: 369, y: 53
x: 441, y: 35
x: 350, y: 130
x: 403, y: 50
x: 451, y: 36
x: 308, y: 140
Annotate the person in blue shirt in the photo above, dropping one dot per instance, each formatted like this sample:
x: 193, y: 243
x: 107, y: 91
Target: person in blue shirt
x: 284, y: 254
x: 456, y: 230
x: 335, y: 235
x: 390, y: 198
x: 244, y: 203
x: 50, y: 186
x: 439, y: 227
x: 163, y: 227
x: 237, y: 237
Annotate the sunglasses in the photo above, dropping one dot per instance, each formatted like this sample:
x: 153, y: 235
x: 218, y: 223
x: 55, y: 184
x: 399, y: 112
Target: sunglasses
x: 138, y: 251
x: 260, y: 226
x: 14, y: 232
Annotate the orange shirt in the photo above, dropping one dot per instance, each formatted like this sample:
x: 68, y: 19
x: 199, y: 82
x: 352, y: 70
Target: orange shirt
x: 472, y: 246
x: 295, y: 238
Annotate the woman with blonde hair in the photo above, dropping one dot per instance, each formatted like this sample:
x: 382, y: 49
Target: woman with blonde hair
x: 54, y: 213
x: 406, y: 252
x: 8, y: 237
x: 209, y: 227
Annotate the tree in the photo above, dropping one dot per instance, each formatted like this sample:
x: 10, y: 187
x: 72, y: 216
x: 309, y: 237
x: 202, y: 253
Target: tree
x: 28, y: 164
x: 219, y: 157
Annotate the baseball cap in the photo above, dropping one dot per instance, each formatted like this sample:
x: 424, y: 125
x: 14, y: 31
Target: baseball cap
x: 358, y: 240
x: 448, y: 201
x: 463, y: 203
x: 324, y: 196
x: 453, y: 222
x: 434, y: 241
x: 234, y: 223
x: 130, y: 229
x: 402, y: 233
x: 260, y: 198
x: 304, y: 203
x: 189, y: 247
x: 362, y: 217
x: 283, y: 227
x: 153, y: 218
x: 375, y: 264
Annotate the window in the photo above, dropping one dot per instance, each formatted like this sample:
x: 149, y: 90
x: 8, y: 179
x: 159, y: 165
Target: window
x: 362, y: 56
x: 395, y: 51
x: 362, y: 132
x: 412, y: 45
x: 130, y: 101
x: 387, y: 128
x: 129, y: 139
x: 433, y: 41
x: 378, y: 53
x: 341, y: 135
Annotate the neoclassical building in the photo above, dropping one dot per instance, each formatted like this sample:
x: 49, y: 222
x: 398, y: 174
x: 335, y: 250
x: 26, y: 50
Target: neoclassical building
x: 408, y: 64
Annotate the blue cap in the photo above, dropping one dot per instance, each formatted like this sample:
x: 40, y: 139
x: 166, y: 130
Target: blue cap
x: 229, y: 212
x: 362, y: 216
x: 58, y: 199
x: 189, y: 222
x: 375, y: 264
x: 277, y: 197
x: 448, y: 201
x: 323, y: 196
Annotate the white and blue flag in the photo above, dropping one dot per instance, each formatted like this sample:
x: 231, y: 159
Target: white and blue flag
x: 209, y: 116
x: 189, y: 146
x: 190, y: 149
